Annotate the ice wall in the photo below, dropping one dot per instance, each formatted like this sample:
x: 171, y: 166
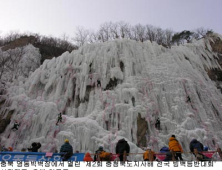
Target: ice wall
x: 101, y: 88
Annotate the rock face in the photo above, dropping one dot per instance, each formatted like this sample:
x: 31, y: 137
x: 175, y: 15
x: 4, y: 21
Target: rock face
x: 216, y: 73
x: 117, y: 90
x: 4, y: 122
x: 142, y: 129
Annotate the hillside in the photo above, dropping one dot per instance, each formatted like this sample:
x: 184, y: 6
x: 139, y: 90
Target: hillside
x: 48, y: 47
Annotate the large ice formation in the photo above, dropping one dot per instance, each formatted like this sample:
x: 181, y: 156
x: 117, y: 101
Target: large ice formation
x: 106, y: 91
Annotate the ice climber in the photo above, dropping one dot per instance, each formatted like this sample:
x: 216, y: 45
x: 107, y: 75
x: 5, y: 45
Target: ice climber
x: 188, y: 99
x: 35, y: 147
x: 157, y: 124
x: 175, y: 146
x: 59, y: 118
x: 121, y: 147
x: 66, y: 150
x: 16, y: 125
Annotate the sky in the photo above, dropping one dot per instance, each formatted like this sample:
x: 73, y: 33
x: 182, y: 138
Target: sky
x: 59, y: 17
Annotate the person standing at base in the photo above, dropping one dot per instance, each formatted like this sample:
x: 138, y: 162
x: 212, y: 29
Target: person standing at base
x: 196, y: 144
x: 35, y: 147
x: 149, y: 155
x: 121, y: 147
x: 66, y: 150
x: 97, y: 153
x: 88, y: 157
x: 175, y: 146
x: 217, y: 156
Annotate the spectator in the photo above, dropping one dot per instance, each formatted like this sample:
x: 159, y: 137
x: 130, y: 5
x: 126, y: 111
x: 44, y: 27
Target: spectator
x: 121, y: 147
x: 35, y: 147
x: 66, y: 150
x: 87, y: 157
x: 175, y: 146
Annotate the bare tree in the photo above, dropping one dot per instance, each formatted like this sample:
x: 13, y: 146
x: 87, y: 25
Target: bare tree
x: 168, y: 37
x: 3, y: 61
x: 12, y: 65
x: 93, y: 37
x: 11, y: 36
x: 81, y: 36
x: 138, y: 32
x: 159, y: 36
x: 124, y: 29
x: 151, y: 32
x: 200, y: 33
x: 19, y: 62
x: 104, y: 32
x: 115, y: 31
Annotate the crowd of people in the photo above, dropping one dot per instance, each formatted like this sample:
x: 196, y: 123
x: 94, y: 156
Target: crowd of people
x: 172, y: 153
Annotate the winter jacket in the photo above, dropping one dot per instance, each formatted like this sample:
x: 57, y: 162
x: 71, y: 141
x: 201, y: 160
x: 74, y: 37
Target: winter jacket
x: 35, y: 147
x: 122, y: 146
x: 174, y: 145
x: 66, y: 147
x: 146, y: 156
x: 97, y: 153
x: 87, y: 157
x: 196, y: 144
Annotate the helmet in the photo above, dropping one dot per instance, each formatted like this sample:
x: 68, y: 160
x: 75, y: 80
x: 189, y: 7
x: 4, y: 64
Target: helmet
x: 206, y: 148
x: 100, y: 148
x: 66, y: 140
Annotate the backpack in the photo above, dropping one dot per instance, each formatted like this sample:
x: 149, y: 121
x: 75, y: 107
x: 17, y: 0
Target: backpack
x: 105, y: 155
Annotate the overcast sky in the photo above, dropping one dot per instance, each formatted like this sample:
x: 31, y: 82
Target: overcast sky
x: 56, y: 17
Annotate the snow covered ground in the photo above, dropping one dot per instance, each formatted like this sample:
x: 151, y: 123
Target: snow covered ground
x: 101, y: 89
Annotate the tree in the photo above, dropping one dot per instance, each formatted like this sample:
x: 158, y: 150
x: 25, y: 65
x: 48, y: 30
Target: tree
x: 150, y: 33
x: 19, y: 62
x: 81, y: 36
x: 159, y: 36
x: 201, y: 32
x: 104, y: 32
x: 115, y: 30
x: 168, y: 37
x: 124, y: 29
x: 180, y: 38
